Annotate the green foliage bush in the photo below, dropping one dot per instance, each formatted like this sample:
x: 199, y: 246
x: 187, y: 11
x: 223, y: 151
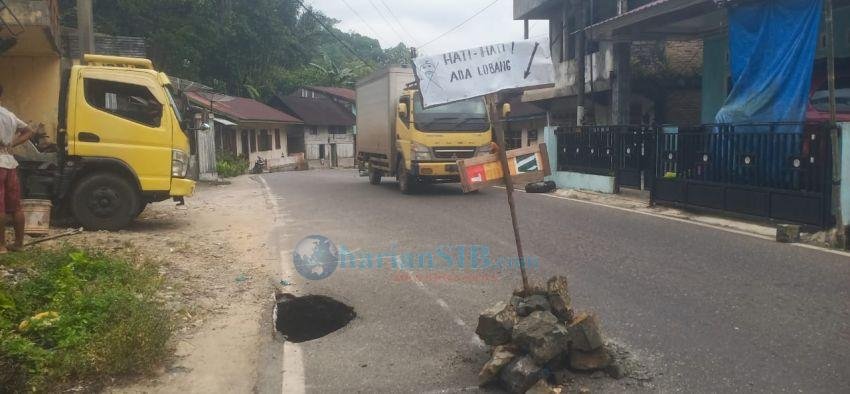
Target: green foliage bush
x: 227, y: 165
x: 79, y: 316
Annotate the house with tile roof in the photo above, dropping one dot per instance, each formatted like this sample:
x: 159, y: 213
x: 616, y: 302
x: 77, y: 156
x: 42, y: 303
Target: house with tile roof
x: 327, y: 135
x: 249, y: 128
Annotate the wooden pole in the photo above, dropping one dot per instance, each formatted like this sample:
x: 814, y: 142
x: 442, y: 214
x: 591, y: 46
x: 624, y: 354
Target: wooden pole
x: 493, y: 104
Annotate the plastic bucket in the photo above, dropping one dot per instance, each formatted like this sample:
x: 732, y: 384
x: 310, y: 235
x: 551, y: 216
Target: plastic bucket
x: 36, y: 216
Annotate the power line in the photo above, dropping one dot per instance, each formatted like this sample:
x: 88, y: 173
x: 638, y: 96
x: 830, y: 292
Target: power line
x: 460, y: 24
x: 381, y: 14
x: 398, y: 22
x: 361, y: 18
x: 309, y: 11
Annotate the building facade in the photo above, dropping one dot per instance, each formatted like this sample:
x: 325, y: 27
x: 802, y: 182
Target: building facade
x: 327, y: 137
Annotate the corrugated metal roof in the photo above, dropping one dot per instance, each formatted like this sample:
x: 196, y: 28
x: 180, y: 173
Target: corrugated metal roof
x: 316, y: 111
x: 343, y: 93
x: 638, y: 13
x: 241, y: 109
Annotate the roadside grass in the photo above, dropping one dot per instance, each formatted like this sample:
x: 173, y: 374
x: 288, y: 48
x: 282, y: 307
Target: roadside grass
x: 228, y: 165
x: 78, y: 317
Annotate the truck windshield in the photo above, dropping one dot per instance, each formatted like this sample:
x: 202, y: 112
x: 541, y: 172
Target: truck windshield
x: 174, y: 105
x: 466, y: 115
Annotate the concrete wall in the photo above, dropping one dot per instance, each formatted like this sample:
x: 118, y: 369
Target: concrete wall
x: 322, y: 140
x: 276, y: 157
x: 714, y: 76
x: 845, y: 172
x: 31, y: 85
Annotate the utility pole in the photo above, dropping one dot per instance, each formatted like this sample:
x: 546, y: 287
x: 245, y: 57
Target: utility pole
x: 580, y: 62
x: 829, y: 26
x: 85, y: 27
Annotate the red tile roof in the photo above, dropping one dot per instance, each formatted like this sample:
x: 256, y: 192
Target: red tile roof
x: 241, y: 109
x: 343, y: 93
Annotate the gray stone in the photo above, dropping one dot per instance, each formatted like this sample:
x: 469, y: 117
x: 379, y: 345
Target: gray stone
x: 541, y: 387
x: 542, y: 336
x: 589, y: 361
x: 496, y: 323
x: 787, y: 233
x: 533, y: 303
x: 616, y: 371
x: 559, y: 298
x: 502, y: 355
x: 584, y: 333
x: 520, y: 375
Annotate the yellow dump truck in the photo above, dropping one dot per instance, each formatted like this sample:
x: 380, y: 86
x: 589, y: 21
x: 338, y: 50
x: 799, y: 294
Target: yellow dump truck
x: 122, y: 143
x: 397, y: 136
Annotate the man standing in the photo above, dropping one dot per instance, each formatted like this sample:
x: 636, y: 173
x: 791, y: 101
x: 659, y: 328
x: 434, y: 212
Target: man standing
x: 13, y: 132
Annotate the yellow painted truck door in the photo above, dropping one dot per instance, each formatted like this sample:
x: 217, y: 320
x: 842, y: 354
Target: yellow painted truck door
x: 119, y: 114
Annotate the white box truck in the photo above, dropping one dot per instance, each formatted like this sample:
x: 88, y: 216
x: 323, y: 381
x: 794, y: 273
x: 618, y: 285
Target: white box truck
x: 397, y: 136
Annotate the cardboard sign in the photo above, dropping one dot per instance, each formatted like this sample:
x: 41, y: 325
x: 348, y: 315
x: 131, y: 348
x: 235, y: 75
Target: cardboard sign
x: 483, y: 70
x: 526, y: 165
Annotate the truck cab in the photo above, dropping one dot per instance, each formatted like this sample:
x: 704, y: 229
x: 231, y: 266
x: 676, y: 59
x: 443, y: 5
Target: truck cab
x: 125, y: 142
x: 431, y: 140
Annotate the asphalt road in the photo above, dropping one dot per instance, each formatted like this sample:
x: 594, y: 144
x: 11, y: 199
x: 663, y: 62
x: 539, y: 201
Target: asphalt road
x: 704, y: 310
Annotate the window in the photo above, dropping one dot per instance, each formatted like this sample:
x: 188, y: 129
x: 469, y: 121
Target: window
x: 337, y: 130
x: 406, y: 116
x: 264, y: 140
x: 252, y: 139
x: 277, y: 138
x: 125, y: 100
x: 532, y: 137
x: 313, y: 130
x: 820, y: 98
x: 322, y: 151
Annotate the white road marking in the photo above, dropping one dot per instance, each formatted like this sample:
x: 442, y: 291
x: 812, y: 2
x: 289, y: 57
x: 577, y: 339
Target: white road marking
x: 292, y: 360
x: 695, y: 223
x: 443, y: 304
x: 293, y: 369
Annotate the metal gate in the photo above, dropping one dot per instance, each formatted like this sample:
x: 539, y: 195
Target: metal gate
x: 779, y: 171
x: 624, y: 152
x: 636, y: 156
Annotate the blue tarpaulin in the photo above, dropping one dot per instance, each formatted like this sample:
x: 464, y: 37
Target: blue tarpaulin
x: 772, y: 48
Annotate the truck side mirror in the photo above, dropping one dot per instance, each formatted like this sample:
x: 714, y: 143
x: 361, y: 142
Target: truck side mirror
x: 402, y: 110
x: 506, y: 110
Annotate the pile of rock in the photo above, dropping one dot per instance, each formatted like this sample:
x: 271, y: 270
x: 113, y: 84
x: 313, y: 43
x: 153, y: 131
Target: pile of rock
x: 537, y: 334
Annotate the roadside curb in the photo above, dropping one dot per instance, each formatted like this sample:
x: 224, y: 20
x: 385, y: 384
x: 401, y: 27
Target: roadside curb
x: 641, y: 207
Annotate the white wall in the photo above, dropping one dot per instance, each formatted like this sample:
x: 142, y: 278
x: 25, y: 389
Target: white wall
x: 313, y: 145
x: 275, y: 156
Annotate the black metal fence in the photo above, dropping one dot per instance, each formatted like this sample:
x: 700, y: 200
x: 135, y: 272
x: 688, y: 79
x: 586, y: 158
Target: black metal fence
x: 777, y: 170
x: 625, y: 152
x: 780, y: 171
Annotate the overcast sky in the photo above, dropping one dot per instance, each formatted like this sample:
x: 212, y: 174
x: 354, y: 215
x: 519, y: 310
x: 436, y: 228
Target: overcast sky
x: 421, y: 21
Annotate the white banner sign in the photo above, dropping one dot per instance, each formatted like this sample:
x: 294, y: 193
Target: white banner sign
x: 483, y: 70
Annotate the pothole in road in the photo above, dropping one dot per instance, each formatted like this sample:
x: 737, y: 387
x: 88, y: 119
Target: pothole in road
x: 302, y: 319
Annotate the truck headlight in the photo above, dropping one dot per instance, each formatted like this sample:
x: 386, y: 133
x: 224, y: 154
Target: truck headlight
x: 420, y: 152
x: 484, y: 150
x: 179, y: 163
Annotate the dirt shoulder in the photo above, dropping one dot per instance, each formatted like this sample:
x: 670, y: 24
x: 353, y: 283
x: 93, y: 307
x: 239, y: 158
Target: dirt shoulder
x: 219, y: 272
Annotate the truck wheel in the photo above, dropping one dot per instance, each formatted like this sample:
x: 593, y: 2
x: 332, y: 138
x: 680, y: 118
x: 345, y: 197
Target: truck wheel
x: 374, y: 176
x: 141, y: 209
x: 405, y: 181
x: 104, y: 201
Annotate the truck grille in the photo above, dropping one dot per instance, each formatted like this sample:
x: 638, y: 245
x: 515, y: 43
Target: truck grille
x: 448, y: 152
